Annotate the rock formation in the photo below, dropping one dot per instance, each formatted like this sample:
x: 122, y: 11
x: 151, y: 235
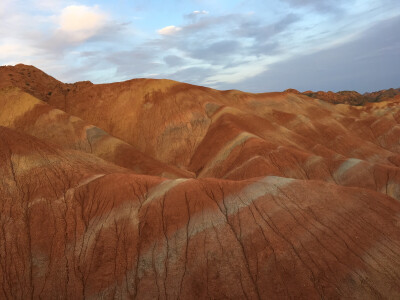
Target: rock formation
x: 160, y: 189
x: 352, y: 97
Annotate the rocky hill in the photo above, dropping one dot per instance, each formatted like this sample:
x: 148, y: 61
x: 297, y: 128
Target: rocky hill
x: 160, y: 189
x: 354, y: 98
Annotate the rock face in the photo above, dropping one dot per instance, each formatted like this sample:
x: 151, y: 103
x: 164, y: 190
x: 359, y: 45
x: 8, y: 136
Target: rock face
x: 26, y: 113
x: 354, y: 98
x: 159, y: 189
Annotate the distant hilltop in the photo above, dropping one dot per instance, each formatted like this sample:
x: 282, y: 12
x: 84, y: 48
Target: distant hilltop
x: 354, y: 98
x: 36, y: 82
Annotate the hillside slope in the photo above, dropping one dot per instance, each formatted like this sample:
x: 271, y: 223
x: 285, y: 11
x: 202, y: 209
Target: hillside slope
x: 27, y: 114
x: 159, y: 189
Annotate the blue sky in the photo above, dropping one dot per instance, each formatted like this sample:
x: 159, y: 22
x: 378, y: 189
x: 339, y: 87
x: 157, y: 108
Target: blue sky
x: 250, y: 45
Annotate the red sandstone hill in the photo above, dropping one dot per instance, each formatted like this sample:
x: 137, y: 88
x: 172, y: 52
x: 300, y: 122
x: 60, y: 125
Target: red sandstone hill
x: 159, y: 189
x: 354, y: 98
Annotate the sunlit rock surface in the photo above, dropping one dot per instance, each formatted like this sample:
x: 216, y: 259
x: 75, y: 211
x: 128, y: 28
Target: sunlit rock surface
x: 159, y: 189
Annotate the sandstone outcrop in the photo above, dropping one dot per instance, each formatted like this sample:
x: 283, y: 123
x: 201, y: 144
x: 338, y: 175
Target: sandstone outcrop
x: 354, y: 98
x: 160, y: 189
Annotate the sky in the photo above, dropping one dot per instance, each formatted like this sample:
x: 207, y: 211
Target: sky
x: 250, y: 45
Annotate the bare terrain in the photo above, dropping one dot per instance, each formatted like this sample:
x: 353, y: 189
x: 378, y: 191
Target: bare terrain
x: 159, y: 189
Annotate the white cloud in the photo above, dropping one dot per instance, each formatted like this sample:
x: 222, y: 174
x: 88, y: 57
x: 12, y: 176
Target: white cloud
x: 49, y: 5
x: 10, y: 50
x: 169, y: 30
x: 200, y: 12
x: 81, y: 22
x: 239, y: 73
x: 6, y: 7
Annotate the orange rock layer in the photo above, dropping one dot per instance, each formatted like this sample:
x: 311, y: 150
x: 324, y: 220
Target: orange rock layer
x: 159, y: 189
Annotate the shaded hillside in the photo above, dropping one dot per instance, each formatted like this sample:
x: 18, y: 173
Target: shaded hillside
x: 31, y: 80
x: 382, y: 95
x: 354, y: 98
x: 27, y: 114
x: 160, y: 189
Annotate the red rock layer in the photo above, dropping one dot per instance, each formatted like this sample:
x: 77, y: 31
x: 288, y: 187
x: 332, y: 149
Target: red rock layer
x: 352, y: 97
x: 27, y: 114
x: 293, y: 197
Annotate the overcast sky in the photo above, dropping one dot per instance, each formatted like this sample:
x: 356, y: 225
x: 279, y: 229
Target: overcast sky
x: 252, y: 45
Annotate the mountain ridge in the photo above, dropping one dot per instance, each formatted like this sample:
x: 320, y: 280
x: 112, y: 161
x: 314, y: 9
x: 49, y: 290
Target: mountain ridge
x: 344, y: 97
x: 159, y: 189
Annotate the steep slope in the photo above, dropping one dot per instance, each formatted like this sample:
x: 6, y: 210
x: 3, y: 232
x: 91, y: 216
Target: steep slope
x: 382, y: 95
x: 237, y: 135
x: 82, y: 229
x: 256, y: 196
x: 342, y: 97
x: 30, y: 79
x: 184, y: 115
x: 353, y: 97
x: 287, y: 132
x: 27, y: 114
x: 345, y: 146
x: 168, y: 120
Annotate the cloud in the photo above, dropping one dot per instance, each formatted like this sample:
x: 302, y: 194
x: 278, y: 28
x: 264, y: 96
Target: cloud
x: 78, y: 25
x: 218, y: 52
x: 228, y: 48
x: 219, y: 45
x: 49, y: 5
x: 169, y: 30
x: 4, y: 6
x: 194, y: 14
x: 325, y: 6
x: 10, y: 50
x: 195, y: 75
x: 200, y: 12
x: 211, y: 22
x: 52, y: 34
x: 173, y: 60
x: 80, y: 22
x: 140, y: 61
x: 262, y: 32
x: 196, y: 34
x: 367, y: 63
x: 264, y: 35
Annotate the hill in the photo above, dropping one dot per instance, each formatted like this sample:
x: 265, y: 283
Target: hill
x: 160, y: 189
